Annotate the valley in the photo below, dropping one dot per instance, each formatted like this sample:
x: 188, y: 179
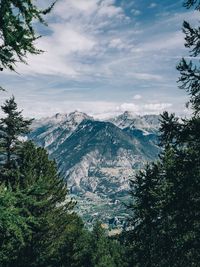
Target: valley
x: 98, y: 158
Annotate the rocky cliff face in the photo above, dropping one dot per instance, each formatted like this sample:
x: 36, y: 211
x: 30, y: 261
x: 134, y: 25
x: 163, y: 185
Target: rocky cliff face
x: 98, y: 158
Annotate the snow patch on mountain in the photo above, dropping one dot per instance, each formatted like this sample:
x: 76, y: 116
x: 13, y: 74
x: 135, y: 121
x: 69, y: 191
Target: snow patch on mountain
x: 147, y: 123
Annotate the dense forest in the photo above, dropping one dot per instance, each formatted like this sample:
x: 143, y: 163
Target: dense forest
x: 38, y: 224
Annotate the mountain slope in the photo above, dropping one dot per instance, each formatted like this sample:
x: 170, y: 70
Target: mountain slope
x: 98, y: 158
x: 146, y: 123
x: 51, y: 132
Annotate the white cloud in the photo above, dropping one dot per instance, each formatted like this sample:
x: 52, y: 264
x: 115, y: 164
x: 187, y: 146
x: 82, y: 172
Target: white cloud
x: 61, y: 48
x: 136, y: 12
x: 76, y: 38
x: 130, y: 107
x: 166, y: 41
x: 107, y: 8
x: 68, y: 8
x: 137, y: 97
x: 67, y: 40
x: 83, y: 5
x: 157, y: 107
x: 48, y: 106
x: 117, y: 43
x: 145, y: 108
x: 81, y: 47
x: 91, y: 43
x: 152, y: 5
x: 147, y: 76
x: 73, y: 8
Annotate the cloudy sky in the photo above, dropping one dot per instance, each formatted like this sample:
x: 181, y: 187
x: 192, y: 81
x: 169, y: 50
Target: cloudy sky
x: 104, y: 57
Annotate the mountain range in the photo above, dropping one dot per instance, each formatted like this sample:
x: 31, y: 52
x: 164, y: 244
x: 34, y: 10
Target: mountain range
x: 98, y: 158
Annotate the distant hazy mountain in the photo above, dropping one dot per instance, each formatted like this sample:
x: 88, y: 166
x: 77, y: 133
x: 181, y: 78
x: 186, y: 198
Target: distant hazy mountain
x: 146, y: 123
x: 98, y: 158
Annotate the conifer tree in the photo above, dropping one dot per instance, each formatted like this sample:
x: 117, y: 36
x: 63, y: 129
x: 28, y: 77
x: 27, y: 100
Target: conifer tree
x: 14, y: 226
x: 183, y: 172
x: 106, y: 252
x: 17, y: 30
x: 189, y: 70
x: 12, y: 127
x: 101, y: 256
x: 48, y: 204
x: 35, y: 198
x: 76, y: 249
x: 174, y: 191
x: 145, y: 192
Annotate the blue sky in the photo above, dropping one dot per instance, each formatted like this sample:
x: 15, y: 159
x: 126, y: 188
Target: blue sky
x: 104, y: 57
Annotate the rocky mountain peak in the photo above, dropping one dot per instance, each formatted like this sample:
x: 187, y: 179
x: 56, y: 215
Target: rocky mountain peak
x: 98, y: 158
x: 127, y: 115
x: 148, y: 123
x: 123, y: 120
x: 78, y: 117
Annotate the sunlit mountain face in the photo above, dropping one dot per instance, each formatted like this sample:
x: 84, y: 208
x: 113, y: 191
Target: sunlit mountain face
x: 98, y: 158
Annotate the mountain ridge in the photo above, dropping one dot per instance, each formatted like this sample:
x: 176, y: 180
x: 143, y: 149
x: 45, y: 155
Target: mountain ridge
x: 98, y: 158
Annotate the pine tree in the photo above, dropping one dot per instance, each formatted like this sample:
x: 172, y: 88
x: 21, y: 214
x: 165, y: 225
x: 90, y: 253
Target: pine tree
x: 35, y: 198
x: 15, y: 228
x: 188, y: 159
x: 76, y: 250
x: 101, y: 256
x: 189, y: 70
x: 12, y: 127
x: 106, y: 252
x: 168, y: 200
x: 47, y: 203
x: 192, y: 3
x: 145, y: 192
x: 185, y: 171
x: 170, y: 128
x: 17, y: 30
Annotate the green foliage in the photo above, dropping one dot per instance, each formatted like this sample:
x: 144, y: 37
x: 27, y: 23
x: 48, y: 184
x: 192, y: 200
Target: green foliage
x: 165, y: 220
x: 189, y: 70
x: 37, y: 216
x: 12, y: 127
x: 106, y: 252
x: 37, y: 224
x: 17, y: 32
x: 191, y: 3
x: 170, y: 128
x: 38, y: 179
x: 76, y: 249
x: 2, y: 89
x: 36, y: 212
x: 145, y: 191
x: 166, y: 195
x: 15, y: 228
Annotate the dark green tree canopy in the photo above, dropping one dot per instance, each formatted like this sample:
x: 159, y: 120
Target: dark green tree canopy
x: 192, y: 3
x: 189, y: 70
x: 15, y: 228
x: 12, y: 127
x: 17, y: 32
x: 166, y: 195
